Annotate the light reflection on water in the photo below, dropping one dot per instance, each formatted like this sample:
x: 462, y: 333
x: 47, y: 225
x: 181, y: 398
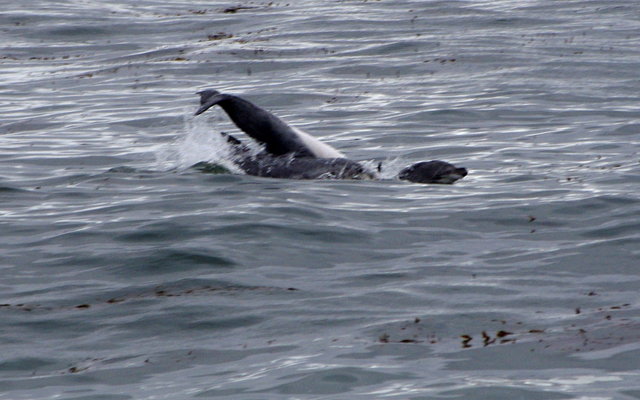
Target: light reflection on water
x: 128, y: 274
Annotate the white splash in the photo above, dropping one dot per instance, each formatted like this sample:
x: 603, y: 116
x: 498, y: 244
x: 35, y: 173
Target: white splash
x: 199, y: 142
x: 385, y: 169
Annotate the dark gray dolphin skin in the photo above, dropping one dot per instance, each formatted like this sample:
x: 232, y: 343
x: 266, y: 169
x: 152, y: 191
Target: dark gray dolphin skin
x: 293, y: 154
x: 432, y: 172
x: 264, y: 127
x: 304, y: 168
x: 293, y: 166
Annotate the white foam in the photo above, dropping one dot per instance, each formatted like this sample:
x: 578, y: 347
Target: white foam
x: 199, y: 142
x: 391, y: 167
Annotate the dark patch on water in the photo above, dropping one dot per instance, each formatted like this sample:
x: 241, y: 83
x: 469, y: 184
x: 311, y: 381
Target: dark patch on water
x: 600, y: 329
x: 210, y: 168
x: 158, y: 292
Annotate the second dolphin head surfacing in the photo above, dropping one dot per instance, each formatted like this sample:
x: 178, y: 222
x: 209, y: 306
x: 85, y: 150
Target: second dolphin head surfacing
x: 432, y: 172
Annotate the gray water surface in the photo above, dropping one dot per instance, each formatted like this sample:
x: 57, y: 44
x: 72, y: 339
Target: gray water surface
x: 126, y: 274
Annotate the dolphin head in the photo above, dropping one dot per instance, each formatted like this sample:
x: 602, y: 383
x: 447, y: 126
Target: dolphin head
x: 432, y: 172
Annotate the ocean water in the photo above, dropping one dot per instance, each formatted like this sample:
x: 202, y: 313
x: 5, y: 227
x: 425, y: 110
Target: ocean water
x: 127, y: 274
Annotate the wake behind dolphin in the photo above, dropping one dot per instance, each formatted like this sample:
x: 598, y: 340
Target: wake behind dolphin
x: 294, y: 154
